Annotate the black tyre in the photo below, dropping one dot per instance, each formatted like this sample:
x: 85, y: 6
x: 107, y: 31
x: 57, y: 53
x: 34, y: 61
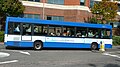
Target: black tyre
x: 38, y: 45
x: 94, y: 46
x: 7, y: 47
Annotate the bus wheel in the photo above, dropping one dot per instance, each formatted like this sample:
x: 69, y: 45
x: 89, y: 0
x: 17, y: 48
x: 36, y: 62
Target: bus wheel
x: 94, y: 46
x: 38, y: 45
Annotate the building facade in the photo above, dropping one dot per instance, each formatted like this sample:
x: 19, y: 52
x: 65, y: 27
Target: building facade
x: 61, y: 10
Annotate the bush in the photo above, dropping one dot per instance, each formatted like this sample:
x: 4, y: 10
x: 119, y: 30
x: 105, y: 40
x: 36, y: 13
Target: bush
x: 1, y: 36
x: 116, y: 40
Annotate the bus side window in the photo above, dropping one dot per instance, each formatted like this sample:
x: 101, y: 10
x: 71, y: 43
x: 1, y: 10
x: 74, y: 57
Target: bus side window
x: 81, y: 32
x: 26, y: 29
x: 94, y: 33
x: 44, y: 30
x: 17, y: 28
x: 54, y: 30
x: 10, y: 28
x: 105, y: 33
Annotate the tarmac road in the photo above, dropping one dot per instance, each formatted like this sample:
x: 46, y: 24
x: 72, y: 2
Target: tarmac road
x: 59, y: 58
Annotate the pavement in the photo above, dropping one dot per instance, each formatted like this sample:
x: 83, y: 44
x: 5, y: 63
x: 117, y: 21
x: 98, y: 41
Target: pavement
x: 114, y: 48
x: 1, y: 42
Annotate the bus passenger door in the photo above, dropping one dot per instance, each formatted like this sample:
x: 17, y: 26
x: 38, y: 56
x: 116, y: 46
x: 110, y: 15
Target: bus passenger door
x: 26, y: 32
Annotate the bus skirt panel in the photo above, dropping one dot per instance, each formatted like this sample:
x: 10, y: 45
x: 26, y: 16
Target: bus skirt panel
x: 53, y: 44
x: 19, y: 44
x: 66, y: 45
x: 71, y: 45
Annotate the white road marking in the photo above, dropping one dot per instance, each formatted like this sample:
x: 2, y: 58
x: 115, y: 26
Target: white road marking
x: 6, y: 62
x: 27, y: 53
x: 23, y: 52
x: 2, y: 54
x: 108, y: 54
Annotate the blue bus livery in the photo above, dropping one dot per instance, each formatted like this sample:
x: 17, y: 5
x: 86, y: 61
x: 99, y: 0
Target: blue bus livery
x: 26, y: 32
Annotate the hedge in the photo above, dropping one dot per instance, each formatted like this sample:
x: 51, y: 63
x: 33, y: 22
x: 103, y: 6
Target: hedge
x: 1, y: 36
x: 116, y: 40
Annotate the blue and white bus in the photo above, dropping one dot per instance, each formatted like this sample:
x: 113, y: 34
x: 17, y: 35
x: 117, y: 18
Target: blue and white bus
x: 26, y: 32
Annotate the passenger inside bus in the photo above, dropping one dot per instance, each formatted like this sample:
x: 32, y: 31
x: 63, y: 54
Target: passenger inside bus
x: 58, y: 33
x: 29, y: 29
x: 17, y: 29
x: 35, y: 29
x: 65, y: 33
x: 68, y: 33
x: 84, y: 34
x: 78, y: 34
x: 44, y: 32
x: 52, y: 34
x: 90, y: 34
x: 96, y: 34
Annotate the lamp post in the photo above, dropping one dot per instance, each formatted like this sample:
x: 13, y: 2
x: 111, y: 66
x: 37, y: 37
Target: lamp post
x: 43, y: 14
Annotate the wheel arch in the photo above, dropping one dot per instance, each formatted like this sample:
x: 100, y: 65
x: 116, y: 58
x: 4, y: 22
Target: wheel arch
x: 38, y: 41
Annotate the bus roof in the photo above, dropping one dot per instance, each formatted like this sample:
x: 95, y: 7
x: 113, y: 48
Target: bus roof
x: 77, y: 24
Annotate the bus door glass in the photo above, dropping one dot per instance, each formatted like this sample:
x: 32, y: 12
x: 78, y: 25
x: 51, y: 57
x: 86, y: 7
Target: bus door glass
x: 26, y: 32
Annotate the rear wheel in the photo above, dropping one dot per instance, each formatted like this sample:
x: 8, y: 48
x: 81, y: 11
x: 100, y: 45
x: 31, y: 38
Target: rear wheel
x: 94, y: 46
x: 38, y: 45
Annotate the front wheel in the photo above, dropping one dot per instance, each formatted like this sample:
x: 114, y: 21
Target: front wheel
x: 94, y: 46
x: 38, y: 45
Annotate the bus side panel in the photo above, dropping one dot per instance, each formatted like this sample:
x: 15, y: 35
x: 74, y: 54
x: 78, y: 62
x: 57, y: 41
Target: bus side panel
x: 65, y: 45
x: 19, y: 44
x: 52, y: 45
x: 26, y: 44
x: 65, y: 42
x: 108, y: 45
x: 107, y: 42
x: 71, y: 45
x: 12, y: 43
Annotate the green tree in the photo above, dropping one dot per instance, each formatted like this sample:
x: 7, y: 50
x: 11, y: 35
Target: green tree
x: 12, y: 8
x: 105, y: 11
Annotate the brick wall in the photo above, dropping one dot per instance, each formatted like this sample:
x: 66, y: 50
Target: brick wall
x: 72, y: 2
x: 76, y: 2
x: 33, y: 10
x: 87, y: 3
x: 69, y: 15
